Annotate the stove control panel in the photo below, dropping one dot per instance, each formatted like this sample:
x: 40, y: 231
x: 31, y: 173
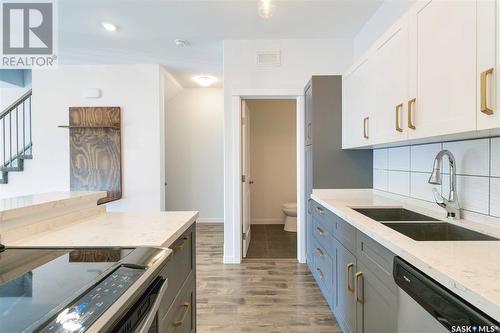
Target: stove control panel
x: 81, y: 314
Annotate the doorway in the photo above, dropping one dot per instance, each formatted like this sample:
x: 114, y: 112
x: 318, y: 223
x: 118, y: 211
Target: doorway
x: 269, y: 178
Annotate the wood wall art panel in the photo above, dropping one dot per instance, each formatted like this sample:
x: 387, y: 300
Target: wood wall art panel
x: 95, y: 150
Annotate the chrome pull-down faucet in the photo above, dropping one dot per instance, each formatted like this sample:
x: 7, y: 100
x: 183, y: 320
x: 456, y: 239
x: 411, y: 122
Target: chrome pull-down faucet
x: 451, y: 204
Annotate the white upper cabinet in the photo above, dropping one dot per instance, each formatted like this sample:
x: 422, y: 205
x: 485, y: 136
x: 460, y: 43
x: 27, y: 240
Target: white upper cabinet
x: 359, y: 94
x: 488, y: 115
x: 433, y: 74
x: 391, y: 74
x: 443, y: 70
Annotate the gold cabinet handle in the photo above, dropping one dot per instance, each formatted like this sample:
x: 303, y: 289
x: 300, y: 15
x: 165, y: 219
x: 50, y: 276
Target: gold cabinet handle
x: 320, y: 273
x: 365, y: 127
x: 484, y: 97
x: 320, y: 231
x: 309, y: 205
x: 348, y: 277
x: 320, y: 211
x: 185, y: 306
x: 359, y: 275
x: 399, y: 108
x: 411, y: 105
x: 320, y: 253
x: 180, y: 246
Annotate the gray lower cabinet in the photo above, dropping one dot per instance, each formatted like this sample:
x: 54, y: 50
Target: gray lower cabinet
x: 345, y: 309
x: 308, y: 192
x: 177, y: 311
x: 354, y: 274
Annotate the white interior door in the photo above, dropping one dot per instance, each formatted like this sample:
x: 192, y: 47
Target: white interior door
x: 246, y: 177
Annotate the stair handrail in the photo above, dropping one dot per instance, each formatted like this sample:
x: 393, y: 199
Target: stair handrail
x: 18, y: 102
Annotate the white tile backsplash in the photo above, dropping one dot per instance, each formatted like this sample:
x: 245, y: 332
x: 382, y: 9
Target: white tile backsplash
x: 406, y: 170
x: 495, y: 157
x: 420, y: 188
x: 495, y: 197
x: 422, y: 156
x: 398, y: 158
x: 472, y: 156
x: 398, y: 182
x: 473, y: 192
x: 380, y: 159
x: 380, y: 179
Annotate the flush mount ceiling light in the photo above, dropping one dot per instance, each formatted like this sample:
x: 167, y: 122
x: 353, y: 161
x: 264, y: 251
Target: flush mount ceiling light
x: 266, y: 8
x: 109, y: 26
x: 204, y: 80
x: 181, y: 42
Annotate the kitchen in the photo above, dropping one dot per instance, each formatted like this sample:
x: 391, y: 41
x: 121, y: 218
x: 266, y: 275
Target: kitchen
x: 397, y: 171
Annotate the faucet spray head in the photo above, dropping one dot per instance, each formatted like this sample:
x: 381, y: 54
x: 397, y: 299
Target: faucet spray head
x: 435, y: 177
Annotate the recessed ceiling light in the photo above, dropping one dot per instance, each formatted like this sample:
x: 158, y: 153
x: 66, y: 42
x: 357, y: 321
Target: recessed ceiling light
x: 266, y: 8
x: 204, y: 80
x: 109, y: 26
x: 181, y: 42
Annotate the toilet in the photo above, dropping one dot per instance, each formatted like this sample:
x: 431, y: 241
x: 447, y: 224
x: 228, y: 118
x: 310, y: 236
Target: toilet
x: 290, y: 211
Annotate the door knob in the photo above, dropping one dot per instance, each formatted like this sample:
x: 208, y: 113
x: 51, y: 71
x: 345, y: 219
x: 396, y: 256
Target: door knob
x: 250, y: 182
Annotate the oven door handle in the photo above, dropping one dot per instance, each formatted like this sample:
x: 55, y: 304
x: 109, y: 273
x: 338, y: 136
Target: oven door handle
x: 146, y: 323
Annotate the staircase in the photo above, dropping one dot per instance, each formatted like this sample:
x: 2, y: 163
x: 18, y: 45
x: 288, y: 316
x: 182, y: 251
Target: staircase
x: 15, y: 137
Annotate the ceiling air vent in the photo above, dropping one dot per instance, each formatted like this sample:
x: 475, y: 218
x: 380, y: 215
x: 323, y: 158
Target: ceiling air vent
x: 266, y: 59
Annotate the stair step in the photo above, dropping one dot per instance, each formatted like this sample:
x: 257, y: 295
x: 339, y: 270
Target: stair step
x: 25, y: 157
x: 12, y: 169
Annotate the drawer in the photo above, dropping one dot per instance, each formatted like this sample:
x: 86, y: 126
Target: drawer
x: 324, y: 216
x: 179, y: 266
x: 181, y: 317
x: 323, y: 272
x: 323, y: 237
x: 345, y: 234
x: 377, y: 258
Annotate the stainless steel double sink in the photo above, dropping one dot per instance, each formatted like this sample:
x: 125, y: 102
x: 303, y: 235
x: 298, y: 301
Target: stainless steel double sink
x: 421, y: 227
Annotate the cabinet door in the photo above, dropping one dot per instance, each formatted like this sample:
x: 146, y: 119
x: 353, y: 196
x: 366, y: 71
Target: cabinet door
x: 391, y: 74
x: 308, y: 191
x: 443, y: 67
x: 376, y: 305
x: 308, y: 114
x: 360, y: 99
x: 181, y: 317
x: 487, y: 57
x: 345, y: 309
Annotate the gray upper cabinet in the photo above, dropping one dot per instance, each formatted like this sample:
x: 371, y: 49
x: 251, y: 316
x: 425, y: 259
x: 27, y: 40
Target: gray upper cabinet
x: 308, y: 114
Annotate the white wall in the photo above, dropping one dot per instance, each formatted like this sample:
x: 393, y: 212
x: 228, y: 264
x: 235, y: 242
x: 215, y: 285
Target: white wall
x: 136, y: 89
x: 388, y: 12
x: 194, y: 163
x: 300, y: 59
x: 273, y: 158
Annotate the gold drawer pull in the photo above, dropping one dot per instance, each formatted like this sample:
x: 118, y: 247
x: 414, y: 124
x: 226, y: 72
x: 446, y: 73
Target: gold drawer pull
x: 320, y: 273
x: 320, y: 253
x: 320, y: 231
x: 399, y: 108
x: 348, y: 278
x: 411, y: 105
x: 484, y: 97
x: 365, y: 127
x: 359, y: 275
x: 185, y: 306
x: 180, y: 246
x: 320, y: 211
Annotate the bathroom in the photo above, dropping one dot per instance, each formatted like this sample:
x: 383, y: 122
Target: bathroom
x: 269, y: 141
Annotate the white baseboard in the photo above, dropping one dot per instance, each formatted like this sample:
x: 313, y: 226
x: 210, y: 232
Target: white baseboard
x: 209, y: 220
x: 268, y: 221
x: 231, y: 260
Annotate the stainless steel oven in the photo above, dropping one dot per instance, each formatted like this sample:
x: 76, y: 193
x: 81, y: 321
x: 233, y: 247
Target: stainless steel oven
x: 78, y: 290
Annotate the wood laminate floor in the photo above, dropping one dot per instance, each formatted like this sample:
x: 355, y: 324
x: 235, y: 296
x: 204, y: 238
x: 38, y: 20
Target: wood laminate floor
x: 265, y: 296
x: 271, y: 241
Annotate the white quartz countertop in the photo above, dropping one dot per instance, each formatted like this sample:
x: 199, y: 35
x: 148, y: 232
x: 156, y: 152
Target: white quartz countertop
x: 14, y: 206
x: 116, y: 229
x: 471, y: 269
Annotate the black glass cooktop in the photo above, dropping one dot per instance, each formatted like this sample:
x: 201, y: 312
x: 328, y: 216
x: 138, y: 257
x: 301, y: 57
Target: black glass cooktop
x: 36, y: 284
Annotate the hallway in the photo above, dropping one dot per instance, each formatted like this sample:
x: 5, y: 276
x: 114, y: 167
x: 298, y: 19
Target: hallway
x: 262, y: 296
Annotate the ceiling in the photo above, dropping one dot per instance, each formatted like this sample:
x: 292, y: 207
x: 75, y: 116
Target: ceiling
x: 147, y: 29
